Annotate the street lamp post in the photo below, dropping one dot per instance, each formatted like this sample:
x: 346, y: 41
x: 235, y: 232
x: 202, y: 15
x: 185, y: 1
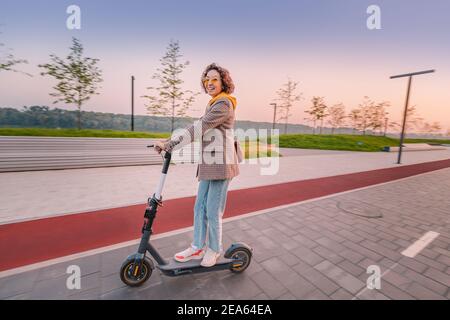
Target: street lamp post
x: 132, y: 103
x: 405, y: 113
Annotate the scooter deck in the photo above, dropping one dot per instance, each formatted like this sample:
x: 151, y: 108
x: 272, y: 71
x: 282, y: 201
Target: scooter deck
x: 175, y: 268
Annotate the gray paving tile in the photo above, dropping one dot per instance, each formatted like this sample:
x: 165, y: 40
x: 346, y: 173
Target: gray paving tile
x: 431, y: 263
x: 422, y: 293
x: 351, y: 268
x: 304, y: 241
x: 18, y: 284
x: 438, y: 276
x: 241, y: 286
x: 124, y: 293
x: 341, y: 294
x: 307, y: 255
x: 111, y: 282
x: 270, y: 286
x: 328, y: 254
x: 213, y: 288
x: 296, y: 284
x: 92, y: 294
x: 261, y: 296
x: 317, y: 278
x: 349, y: 235
x: 413, y: 264
x: 363, y: 251
x: 393, y: 292
x: 51, y: 289
x: 316, y: 295
x: 391, y: 254
x: 389, y: 244
x: 342, y: 278
x: 442, y: 259
x: 372, y: 294
x: 23, y: 296
x: 287, y: 296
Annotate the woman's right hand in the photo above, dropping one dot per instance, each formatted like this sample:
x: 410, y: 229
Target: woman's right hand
x: 159, y: 146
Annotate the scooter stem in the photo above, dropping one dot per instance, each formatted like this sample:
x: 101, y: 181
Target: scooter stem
x: 162, y: 179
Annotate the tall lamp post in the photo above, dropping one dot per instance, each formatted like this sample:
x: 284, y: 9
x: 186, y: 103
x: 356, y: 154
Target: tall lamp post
x: 132, y: 103
x: 405, y: 113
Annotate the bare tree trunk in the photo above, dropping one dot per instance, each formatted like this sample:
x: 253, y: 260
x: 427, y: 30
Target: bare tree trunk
x: 173, y: 115
x: 79, y: 111
x: 79, y: 117
x: 286, y: 123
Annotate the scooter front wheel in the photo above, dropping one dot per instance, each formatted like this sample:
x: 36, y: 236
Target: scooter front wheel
x: 132, y: 276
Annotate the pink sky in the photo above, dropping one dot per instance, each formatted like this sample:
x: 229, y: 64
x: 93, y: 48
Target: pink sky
x: 324, y: 45
x: 338, y: 78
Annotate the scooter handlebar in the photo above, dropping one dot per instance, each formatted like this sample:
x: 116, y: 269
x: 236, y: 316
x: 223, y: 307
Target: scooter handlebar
x: 166, y: 152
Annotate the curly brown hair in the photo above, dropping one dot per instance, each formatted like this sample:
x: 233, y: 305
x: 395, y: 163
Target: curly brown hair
x: 227, y: 82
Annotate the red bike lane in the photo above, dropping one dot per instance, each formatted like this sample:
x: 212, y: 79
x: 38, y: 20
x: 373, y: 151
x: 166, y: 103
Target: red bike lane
x: 29, y: 242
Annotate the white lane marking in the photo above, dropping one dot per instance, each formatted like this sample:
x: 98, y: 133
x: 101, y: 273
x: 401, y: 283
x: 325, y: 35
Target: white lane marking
x: 420, y: 244
x: 410, y: 252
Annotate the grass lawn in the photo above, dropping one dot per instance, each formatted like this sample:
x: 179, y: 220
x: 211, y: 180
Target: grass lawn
x: 305, y: 141
x: 431, y: 141
x: 345, y: 142
x: 336, y: 142
x: 251, y: 149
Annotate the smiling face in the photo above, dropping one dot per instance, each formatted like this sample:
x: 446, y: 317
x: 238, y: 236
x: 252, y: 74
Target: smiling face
x: 213, y: 83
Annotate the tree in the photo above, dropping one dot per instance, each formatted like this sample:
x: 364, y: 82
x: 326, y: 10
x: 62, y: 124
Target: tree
x: 169, y: 99
x: 434, y: 127
x: 395, y: 126
x: 378, y: 115
x: 337, y: 116
x: 355, y: 119
x: 287, y: 96
x: 318, y: 111
x: 413, y: 120
x: 8, y: 61
x: 369, y: 115
x: 78, y: 77
x: 366, y: 109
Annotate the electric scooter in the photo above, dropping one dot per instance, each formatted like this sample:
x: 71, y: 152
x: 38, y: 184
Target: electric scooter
x: 138, y: 267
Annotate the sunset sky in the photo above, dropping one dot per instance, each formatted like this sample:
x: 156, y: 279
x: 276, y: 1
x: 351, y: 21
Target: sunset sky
x: 324, y: 45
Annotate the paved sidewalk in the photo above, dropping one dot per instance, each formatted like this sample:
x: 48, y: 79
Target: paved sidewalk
x: 315, y: 250
x: 32, y: 195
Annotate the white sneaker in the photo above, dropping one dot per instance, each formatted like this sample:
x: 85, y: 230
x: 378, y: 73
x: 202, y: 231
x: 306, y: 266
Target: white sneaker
x: 210, y: 258
x: 189, y: 254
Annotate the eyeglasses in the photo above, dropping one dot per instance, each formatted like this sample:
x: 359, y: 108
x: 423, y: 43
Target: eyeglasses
x: 206, y: 80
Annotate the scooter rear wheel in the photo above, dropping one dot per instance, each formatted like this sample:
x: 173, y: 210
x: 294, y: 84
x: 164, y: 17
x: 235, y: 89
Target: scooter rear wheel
x: 245, y: 257
x: 127, y: 273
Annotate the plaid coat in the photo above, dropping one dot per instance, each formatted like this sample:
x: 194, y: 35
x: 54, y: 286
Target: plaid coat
x: 220, y: 153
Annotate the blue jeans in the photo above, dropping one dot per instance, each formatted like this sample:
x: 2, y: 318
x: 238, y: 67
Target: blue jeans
x: 208, y: 212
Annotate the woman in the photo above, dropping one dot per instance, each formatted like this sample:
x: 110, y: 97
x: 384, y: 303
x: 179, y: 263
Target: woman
x: 218, y: 165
